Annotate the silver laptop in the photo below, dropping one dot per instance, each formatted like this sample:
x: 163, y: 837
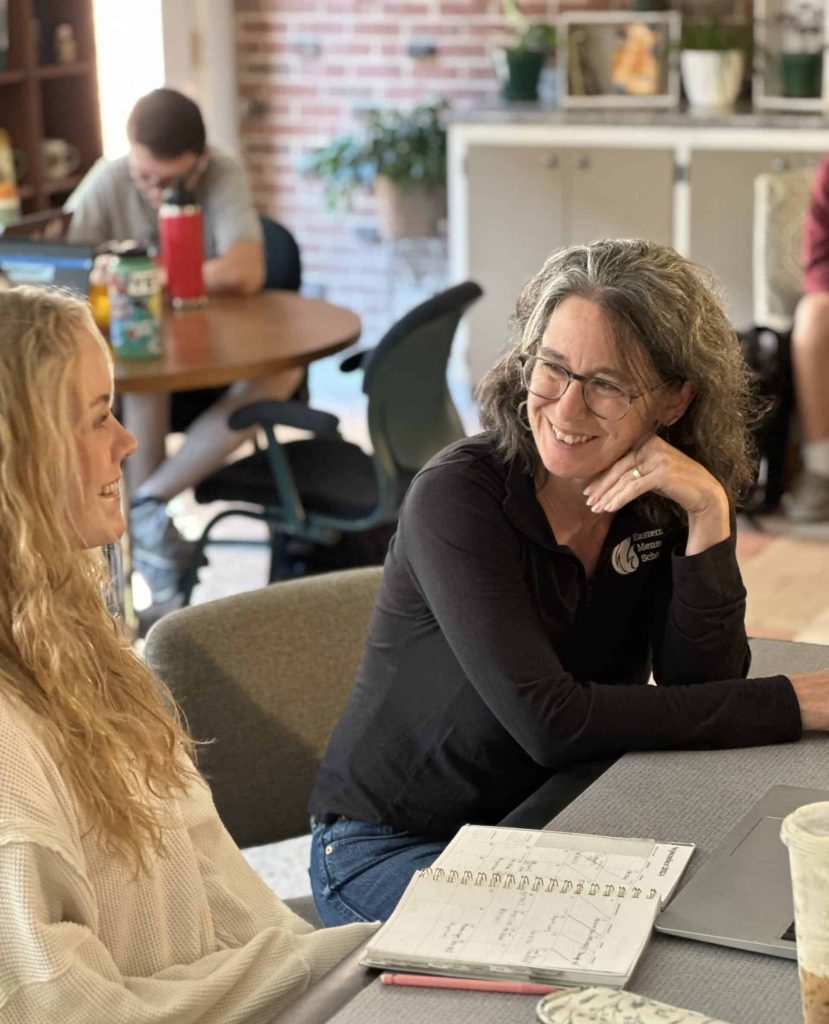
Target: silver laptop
x: 742, y: 896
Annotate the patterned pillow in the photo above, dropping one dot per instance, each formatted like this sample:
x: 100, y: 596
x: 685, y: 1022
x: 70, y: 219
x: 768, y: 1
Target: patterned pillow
x: 781, y: 200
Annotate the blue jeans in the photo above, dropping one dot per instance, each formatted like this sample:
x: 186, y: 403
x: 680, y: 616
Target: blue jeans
x: 359, y: 870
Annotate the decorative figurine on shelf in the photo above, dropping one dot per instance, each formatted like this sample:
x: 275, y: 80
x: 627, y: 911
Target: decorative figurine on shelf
x: 636, y: 60
x: 66, y: 46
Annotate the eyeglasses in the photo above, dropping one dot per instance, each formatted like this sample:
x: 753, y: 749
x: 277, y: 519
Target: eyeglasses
x: 152, y: 184
x: 604, y: 398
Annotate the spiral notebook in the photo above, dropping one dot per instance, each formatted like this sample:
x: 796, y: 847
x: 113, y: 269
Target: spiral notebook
x: 531, y: 905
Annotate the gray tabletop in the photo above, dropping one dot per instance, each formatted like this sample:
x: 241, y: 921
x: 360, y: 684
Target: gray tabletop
x: 673, y: 796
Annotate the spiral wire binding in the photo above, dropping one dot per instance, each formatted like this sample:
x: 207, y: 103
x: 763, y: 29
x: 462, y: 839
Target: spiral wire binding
x: 536, y: 884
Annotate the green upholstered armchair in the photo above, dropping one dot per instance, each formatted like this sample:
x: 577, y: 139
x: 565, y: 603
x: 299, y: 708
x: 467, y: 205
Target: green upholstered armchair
x: 263, y: 676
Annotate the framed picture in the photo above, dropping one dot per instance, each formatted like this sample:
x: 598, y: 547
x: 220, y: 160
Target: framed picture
x: 791, y: 69
x: 619, y: 59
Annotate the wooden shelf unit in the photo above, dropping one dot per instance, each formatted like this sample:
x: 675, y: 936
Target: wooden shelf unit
x: 41, y: 98
x: 81, y: 67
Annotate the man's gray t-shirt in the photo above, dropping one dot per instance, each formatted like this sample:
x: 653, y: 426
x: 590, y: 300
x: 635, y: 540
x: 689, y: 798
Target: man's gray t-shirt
x: 107, y: 205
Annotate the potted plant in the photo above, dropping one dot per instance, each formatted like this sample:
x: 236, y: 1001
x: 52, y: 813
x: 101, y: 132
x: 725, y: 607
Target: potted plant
x: 400, y: 157
x: 801, y: 56
x: 712, y: 63
x: 519, y: 65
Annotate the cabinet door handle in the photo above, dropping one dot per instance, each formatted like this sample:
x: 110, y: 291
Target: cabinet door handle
x: 550, y: 160
x: 582, y: 162
x: 780, y: 164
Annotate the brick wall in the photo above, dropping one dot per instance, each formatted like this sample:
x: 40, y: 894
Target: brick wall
x: 305, y: 68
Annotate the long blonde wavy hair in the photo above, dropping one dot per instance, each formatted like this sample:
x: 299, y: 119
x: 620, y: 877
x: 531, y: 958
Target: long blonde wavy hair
x: 113, y: 727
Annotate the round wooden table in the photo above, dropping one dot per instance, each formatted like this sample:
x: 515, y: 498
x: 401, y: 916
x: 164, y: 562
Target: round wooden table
x: 234, y: 338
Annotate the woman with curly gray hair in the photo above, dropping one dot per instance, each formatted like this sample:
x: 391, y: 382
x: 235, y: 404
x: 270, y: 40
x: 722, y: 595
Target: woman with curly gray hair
x: 542, y: 570
x: 654, y: 304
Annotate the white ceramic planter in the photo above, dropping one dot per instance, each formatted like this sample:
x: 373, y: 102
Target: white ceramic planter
x: 712, y: 79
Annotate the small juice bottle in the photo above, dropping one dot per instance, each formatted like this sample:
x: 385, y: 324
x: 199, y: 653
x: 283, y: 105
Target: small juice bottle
x: 98, y: 293
x: 134, y: 288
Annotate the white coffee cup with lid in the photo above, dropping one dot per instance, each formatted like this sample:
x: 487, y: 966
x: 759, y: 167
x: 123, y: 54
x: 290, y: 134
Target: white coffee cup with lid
x: 806, y: 833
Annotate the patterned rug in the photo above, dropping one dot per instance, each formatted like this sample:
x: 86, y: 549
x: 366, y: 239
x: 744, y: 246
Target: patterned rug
x: 786, y: 573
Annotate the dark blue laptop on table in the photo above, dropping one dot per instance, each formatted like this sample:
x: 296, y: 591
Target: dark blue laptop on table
x: 50, y: 263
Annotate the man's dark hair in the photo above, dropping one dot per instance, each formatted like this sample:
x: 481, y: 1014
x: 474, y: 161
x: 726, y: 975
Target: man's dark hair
x: 168, y: 123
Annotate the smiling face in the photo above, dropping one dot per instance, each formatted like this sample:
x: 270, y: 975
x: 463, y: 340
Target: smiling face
x: 573, y: 443
x: 102, y: 444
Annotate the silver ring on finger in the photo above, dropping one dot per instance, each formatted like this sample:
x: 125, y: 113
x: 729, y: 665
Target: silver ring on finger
x: 635, y: 473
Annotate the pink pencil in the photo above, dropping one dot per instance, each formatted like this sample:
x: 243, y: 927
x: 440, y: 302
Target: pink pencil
x: 525, y: 988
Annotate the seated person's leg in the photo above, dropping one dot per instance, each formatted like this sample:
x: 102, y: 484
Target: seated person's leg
x: 359, y: 870
x: 159, y: 551
x: 148, y: 416
x: 808, y: 500
x: 209, y: 440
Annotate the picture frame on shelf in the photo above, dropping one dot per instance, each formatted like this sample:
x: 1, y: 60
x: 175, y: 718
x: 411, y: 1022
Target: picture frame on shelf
x: 619, y: 59
x: 791, y: 68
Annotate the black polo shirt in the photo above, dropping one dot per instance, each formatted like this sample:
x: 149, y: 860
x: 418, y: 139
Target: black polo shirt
x: 492, y: 661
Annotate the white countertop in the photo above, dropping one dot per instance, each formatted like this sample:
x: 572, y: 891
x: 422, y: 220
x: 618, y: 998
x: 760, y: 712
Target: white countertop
x: 539, y: 114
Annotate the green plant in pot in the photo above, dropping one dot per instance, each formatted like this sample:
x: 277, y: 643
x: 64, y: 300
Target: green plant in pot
x: 712, y: 62
x: 801, y: 56
x: 400, y: 157
x: 519, y: 65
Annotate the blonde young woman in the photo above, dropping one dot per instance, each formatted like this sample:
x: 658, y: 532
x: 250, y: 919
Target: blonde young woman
x: 122, y: 897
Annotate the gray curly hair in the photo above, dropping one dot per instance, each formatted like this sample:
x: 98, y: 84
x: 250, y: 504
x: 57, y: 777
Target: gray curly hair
x: 657, y: 303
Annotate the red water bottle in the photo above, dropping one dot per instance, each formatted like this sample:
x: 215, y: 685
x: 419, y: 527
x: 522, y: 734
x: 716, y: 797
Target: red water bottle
x: 181, y: 237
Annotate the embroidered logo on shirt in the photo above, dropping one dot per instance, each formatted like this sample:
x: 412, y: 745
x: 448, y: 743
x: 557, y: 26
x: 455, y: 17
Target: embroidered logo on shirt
x: 629, y: 553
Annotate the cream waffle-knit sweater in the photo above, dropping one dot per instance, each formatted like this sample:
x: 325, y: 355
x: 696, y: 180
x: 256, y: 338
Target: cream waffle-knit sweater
x: 199, y: 938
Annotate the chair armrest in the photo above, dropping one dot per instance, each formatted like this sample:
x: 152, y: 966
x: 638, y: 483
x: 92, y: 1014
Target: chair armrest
x: 287, y: 414
x: 356, y: 361
x: 49, y: 225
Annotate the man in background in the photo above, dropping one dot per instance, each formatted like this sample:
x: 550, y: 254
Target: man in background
x: 120, y: 199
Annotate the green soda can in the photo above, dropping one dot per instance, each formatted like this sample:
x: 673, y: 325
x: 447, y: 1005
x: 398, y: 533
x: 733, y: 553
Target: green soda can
x: 134, y: 290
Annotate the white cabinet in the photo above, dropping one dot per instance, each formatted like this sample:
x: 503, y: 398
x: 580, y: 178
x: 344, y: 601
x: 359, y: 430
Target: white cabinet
x: 526, y: 201
x: 517, y: 191
x: 621, y: 193
x: 516, y: 218
x: 722, y: 194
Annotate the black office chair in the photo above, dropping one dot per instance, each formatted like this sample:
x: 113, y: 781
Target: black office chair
x: 283, y: 269
x: 320, y: 489
x: 283, y: 264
